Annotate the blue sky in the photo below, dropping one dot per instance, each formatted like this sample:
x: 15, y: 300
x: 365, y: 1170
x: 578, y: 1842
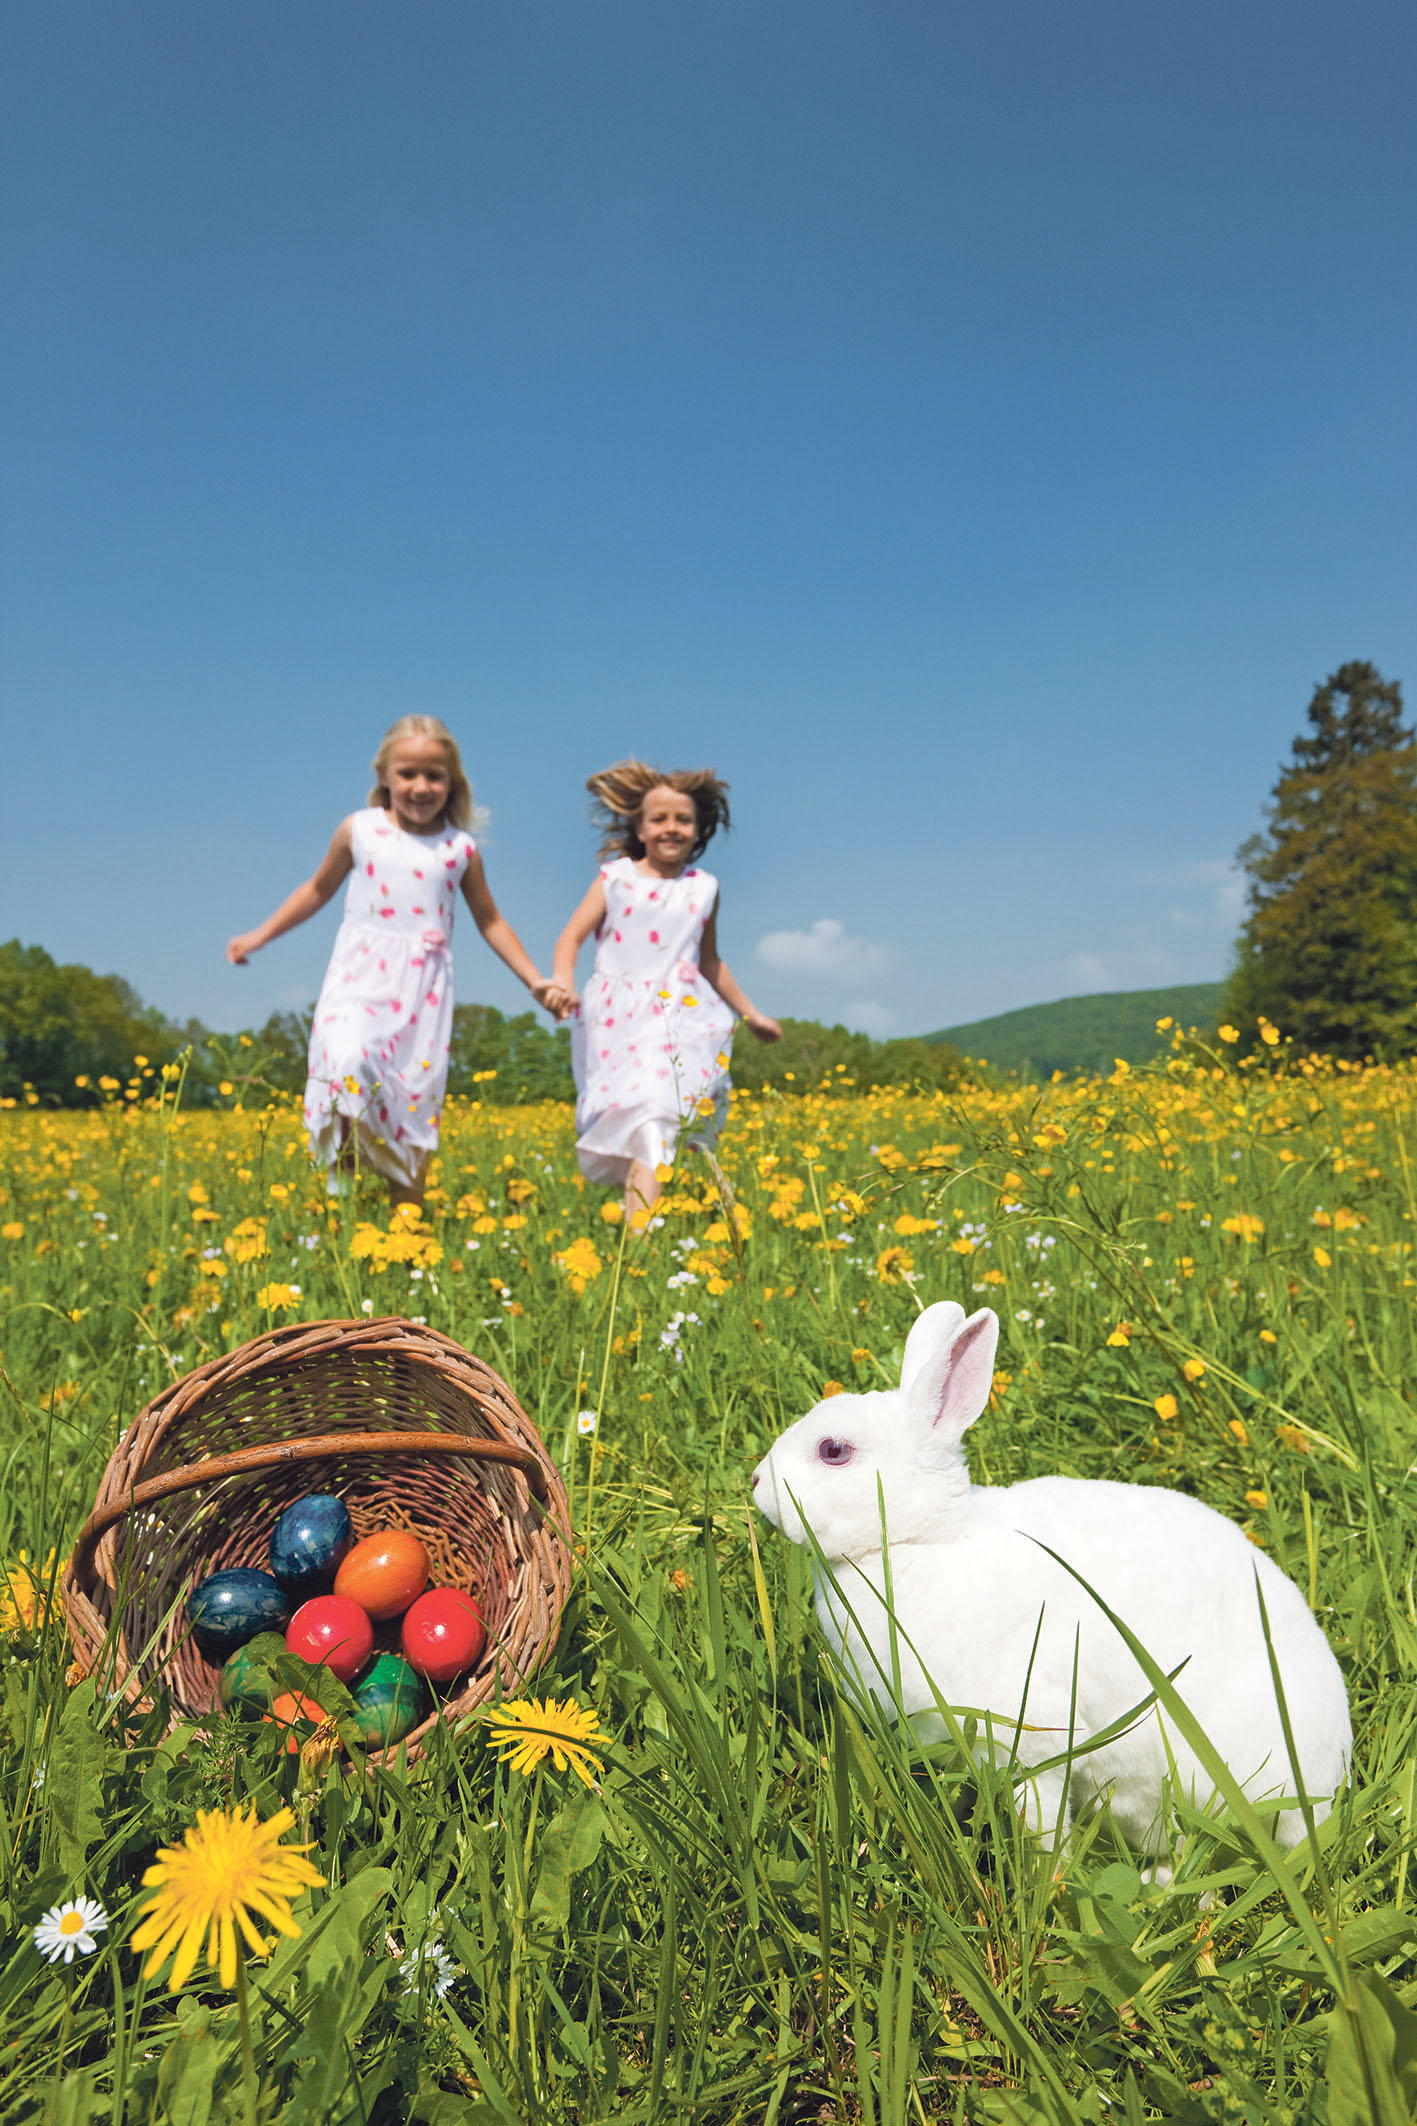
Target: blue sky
x: 974, y: 431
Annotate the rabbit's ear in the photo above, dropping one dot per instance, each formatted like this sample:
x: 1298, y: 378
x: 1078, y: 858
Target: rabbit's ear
x: 934, y: 1331
x: 952, y: 1387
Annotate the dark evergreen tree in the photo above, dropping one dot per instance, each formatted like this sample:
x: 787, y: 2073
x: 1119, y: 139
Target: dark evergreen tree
x: 1329, y: 947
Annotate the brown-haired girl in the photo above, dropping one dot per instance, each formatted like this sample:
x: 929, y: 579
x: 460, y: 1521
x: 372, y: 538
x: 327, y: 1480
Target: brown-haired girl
x: 383, y: 1024
x: 651, y: 1035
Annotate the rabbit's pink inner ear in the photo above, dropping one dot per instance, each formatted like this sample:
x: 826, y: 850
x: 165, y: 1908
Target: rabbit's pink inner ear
x: 969, y: 1374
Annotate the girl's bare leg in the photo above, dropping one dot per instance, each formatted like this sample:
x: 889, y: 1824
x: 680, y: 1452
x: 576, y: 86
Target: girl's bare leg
x: 402, y: 1192
x: 641, y: 1195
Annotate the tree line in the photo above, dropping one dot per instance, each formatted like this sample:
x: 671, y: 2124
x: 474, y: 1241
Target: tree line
x: 73, y: 1038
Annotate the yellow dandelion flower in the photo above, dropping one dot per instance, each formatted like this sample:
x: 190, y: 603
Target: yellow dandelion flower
x: 24, y: 1599
x: 278, y: 1297
x: 1267, y: 1336
x: 1166, y: 1407
x: 526, y: 1731
x: 860, y: 1357
x: 1290, y: 1436
x: 1245, y: 1224
x: 228, y: 1866
x: 1323, y: 1258
x: 612, y: 1213
x: 894, y: 1265
x: 12, y: 1230
x: 1194, y: 1369
x: 1121, y: 1337
x: 1229, y: 1034
x: 1258, y: 1499
x: 830, y: 1388
x: 1237, y: 1427
x: 1269, y: 1034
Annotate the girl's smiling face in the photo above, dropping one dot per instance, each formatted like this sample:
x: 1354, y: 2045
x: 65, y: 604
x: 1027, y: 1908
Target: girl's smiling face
x: 668, y: 826
x: 417, y: 778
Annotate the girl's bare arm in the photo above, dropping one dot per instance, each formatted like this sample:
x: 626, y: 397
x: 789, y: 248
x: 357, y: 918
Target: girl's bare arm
x: 716, y: 973
x: 499, y: 934
x: 583, y: 924
x: 307, y: 900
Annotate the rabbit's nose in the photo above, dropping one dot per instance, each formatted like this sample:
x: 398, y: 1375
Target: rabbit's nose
x: 756, y: 1474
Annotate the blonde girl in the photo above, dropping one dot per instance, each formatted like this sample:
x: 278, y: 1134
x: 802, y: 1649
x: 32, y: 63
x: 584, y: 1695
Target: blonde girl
x: 383, y: 1023
x: 651, y: 1035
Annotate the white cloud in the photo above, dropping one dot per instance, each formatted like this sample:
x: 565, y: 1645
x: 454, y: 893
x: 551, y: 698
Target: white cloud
x: 825, y: 950
x: 1218, y: 878
x: 870, y: 1018
x: 1091, y: 972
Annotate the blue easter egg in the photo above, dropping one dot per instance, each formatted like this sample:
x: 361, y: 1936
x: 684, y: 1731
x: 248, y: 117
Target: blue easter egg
x: 388, y: 1701
x: 308, y: 1542
x: 228, y: 1608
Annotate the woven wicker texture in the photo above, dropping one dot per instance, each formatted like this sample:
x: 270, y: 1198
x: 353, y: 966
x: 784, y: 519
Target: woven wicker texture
x: 201, y: 1475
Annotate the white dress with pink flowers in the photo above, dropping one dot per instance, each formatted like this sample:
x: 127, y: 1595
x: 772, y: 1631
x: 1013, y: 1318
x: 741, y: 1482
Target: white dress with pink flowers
x: 383, y: 1024
x: 650, y: 1042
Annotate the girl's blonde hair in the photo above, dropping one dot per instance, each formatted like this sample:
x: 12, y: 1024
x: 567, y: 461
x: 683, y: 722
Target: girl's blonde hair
x: 619, y: 795
x: 459, y: 810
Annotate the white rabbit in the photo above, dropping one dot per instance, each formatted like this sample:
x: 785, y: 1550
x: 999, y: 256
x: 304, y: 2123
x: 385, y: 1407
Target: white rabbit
x: 997, y: 1626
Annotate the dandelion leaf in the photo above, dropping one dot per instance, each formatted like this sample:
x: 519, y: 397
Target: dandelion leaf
x: 189, y: 2067
x: 569, y: 1845
x: 74, y: 1778
x: 1372, y: 2058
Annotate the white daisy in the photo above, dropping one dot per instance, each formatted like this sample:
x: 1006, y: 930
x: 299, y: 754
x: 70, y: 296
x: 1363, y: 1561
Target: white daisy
x: 430, y: 1970
x: 586, y: 1421
x: 69, y: 1930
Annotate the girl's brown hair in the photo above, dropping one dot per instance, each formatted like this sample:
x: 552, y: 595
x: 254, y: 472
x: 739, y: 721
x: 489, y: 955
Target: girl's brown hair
x: 619, y: 795
x: 459, y: 810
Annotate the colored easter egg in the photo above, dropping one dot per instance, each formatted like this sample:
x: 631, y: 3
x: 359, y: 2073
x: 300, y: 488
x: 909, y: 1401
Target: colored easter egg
x: 332, y: 1632
x: 443, y: 1634
x: 244, y: 1678
x: 384, y: 1573
x: 308, y: 1542
x: 299, y: 1715
x: 388, y: 1701
x: 228, y: 1608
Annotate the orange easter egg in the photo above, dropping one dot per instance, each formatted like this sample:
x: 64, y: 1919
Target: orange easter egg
x: 297, y: 1714
x: 384, y: 1573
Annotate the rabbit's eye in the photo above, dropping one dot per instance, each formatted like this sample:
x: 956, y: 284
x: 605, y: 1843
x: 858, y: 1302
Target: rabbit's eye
x: 834, y: 1451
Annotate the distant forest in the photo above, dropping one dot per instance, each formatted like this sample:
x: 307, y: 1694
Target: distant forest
x: 1085, y: 1033
x: 71, y: 1038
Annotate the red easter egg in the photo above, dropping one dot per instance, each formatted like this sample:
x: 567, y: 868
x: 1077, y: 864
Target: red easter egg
x: 331, y: 1632
x: 292, y: 1710
x: 443, y: 1634
x: 384, y: 1573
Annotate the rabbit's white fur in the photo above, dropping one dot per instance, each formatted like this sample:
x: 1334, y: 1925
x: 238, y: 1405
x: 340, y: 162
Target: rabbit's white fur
x: 973, y: 1590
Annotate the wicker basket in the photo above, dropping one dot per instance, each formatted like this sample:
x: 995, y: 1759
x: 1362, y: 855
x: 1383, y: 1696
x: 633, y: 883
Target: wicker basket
x: 404, y: 1425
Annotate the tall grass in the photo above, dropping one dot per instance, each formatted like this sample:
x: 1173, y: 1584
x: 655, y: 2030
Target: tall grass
x: 773, y: 1907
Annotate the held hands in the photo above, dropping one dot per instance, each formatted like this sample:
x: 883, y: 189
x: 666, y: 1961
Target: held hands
x: 559, y: 998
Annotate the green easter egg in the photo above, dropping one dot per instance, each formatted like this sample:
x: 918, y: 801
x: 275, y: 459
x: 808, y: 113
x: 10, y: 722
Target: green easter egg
x: 242, y: 1680
x: 388, y: 1701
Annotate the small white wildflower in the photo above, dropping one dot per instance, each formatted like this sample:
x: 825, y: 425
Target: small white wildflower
x: 366, y: 1306
x: 429, y: 1970
x: 586, y: 1421
x: 68, y: 1930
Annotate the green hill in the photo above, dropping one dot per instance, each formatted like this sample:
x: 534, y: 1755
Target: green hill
x: 1084, y: 1033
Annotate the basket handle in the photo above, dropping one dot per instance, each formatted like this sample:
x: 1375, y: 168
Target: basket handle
x: 304, y: 1450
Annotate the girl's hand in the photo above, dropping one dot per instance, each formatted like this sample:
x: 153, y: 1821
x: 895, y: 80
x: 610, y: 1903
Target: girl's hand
x: 556, y: 997
x: 760, y: 1024
x: 239, y: 949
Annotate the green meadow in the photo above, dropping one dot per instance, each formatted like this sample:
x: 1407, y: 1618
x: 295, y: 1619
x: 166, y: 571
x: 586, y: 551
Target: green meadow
x: 762, y: 1904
